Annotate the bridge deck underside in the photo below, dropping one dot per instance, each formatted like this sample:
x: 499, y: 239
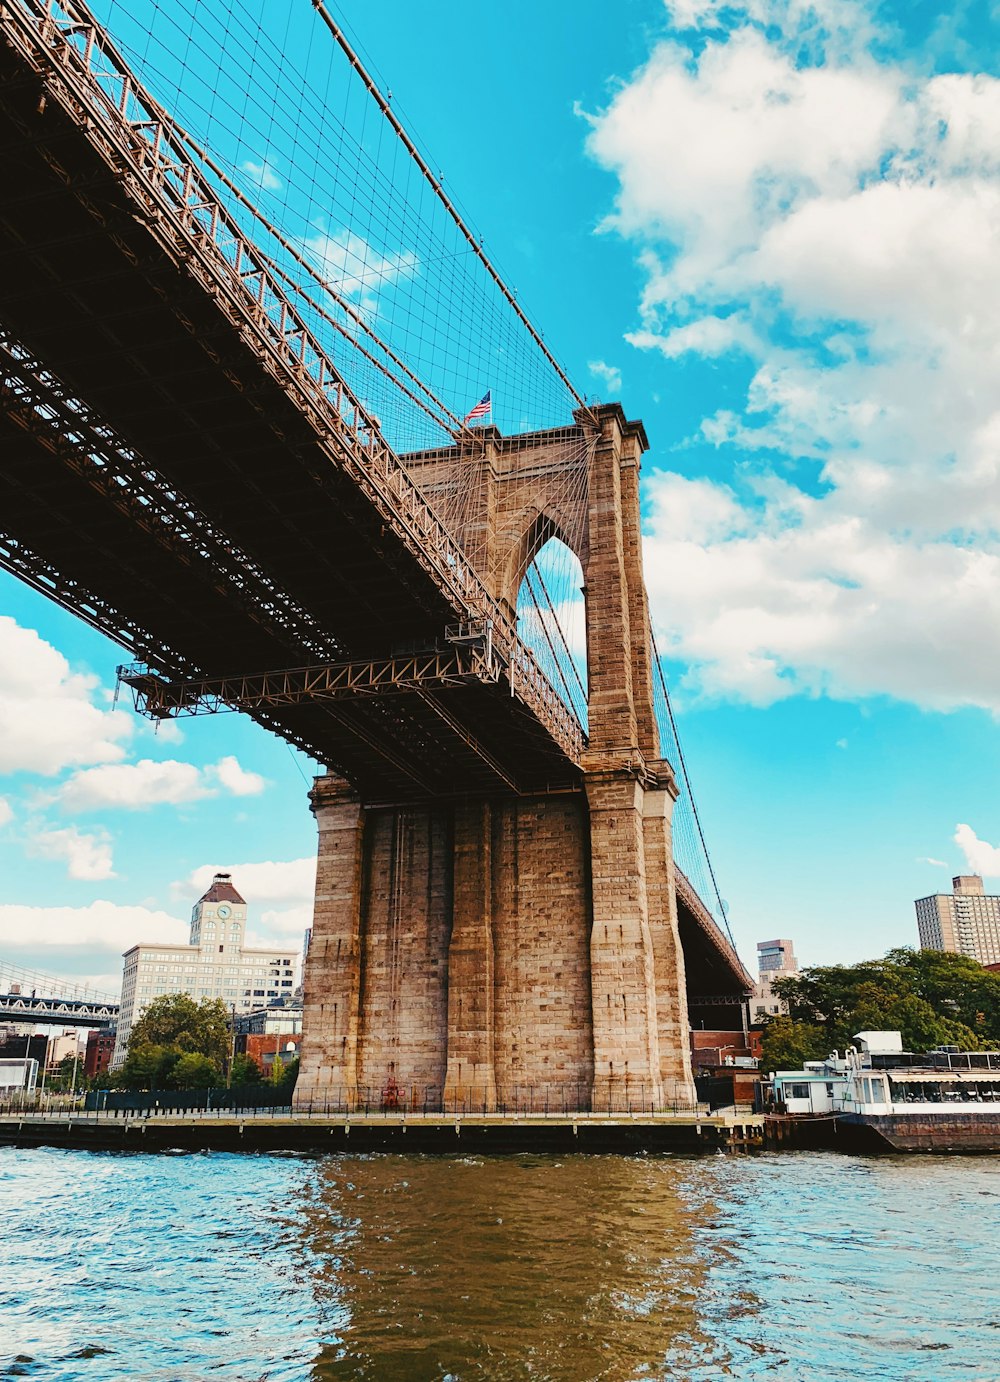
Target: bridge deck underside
x: 307, y: 570
x: 94, y: 290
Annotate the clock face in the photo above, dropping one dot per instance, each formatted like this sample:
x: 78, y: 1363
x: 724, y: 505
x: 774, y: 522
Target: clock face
x: 224, y: 911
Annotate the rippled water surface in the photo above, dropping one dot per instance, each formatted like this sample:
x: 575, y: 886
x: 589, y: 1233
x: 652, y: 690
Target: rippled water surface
x: 407, y: 1268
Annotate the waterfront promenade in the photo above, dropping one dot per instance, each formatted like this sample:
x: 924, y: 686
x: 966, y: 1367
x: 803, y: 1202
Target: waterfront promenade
x: 271, y: 1130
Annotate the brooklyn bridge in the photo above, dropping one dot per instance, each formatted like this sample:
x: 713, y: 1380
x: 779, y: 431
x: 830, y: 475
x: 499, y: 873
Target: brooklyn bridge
x: 236, y: 439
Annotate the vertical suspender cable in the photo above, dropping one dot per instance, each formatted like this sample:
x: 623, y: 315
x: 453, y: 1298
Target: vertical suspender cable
x: 687, y: 783
x: 439, y: 192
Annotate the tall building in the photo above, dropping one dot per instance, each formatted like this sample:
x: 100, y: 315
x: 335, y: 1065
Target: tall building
x: 775, y: 960
x: 215, y: 964
x: 966, y: 920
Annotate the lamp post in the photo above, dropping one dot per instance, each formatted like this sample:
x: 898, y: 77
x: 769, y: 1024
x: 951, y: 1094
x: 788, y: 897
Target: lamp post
x: 232, y: 1048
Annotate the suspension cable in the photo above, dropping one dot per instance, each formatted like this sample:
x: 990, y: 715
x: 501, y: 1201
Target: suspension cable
x: 687, y: 781
x: 355, y: 316
x: 474, y: 243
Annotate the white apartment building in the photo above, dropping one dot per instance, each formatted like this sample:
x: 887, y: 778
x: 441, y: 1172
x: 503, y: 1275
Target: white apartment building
x: 215, y: 964
x: 966, y: 920
x: 775, y: 960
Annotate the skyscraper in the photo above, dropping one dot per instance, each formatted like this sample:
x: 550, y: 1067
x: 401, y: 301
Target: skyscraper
x: 775, y: 960
x: 965, y: 921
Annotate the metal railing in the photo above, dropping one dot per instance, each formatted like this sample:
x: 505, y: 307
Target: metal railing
x: 562, y: 1100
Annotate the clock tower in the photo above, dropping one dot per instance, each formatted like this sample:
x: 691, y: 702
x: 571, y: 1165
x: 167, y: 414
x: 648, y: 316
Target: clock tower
x: 219, y: 918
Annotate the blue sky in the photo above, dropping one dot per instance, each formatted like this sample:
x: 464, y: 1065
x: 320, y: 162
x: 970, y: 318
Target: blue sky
x: 773, y: 230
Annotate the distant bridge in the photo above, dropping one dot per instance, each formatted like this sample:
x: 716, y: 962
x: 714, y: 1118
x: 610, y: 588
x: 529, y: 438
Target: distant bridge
x: 57, y: 1012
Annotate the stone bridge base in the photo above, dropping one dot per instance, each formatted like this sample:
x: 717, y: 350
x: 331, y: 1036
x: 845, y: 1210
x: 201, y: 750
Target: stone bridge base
x: 516, y: 953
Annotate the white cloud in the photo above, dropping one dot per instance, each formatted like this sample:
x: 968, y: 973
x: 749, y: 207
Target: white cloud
x: 236, y: 779
x: 263, y: 174
x: 609, y: 375
x: 87, y: 857
x: 48, y: 719
x: 6, y: 812
x: 935, y: 863
x: 833, y: 217
x: 147, y: 783
x: 708, y: 336
x: 285, y: 883
x: 60, y: 939
x: 288, y: 886
x: 979, y: 856
x: 354, y: 268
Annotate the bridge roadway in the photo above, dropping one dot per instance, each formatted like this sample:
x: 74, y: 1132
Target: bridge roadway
x: 184, y: 467
x: 181, y: 466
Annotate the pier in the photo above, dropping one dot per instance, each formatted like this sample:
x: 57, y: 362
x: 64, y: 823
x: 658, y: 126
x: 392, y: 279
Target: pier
x: 280, y: 1131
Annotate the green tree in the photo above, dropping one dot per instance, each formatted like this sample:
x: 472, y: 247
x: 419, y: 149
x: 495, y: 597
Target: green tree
x: 148, y: 1066
x: 176, y: 1020
x: 195, y: 1071
x: 290, y: 1073
x: 277, y: 1070
x: 932, y: 998
x: 785, y: 1044
x: 245, y: 1071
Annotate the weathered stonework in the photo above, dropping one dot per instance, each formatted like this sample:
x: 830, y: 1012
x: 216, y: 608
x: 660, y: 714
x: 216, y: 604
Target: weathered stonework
x: 516, y: 951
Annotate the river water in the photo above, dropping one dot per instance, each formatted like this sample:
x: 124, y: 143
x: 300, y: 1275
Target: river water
x: 400, y: 1269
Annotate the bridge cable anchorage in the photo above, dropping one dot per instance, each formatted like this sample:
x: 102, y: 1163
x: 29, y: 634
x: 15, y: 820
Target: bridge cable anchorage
x: 682, y: 762
x: 475, y: 242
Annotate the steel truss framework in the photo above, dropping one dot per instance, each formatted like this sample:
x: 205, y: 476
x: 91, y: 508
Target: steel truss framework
x: 431, y: 671
x: 81, y: 69
x: 74, y: 1012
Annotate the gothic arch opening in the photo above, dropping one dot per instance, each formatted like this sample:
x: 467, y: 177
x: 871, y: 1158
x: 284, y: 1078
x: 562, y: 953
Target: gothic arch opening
x: 552, y: 620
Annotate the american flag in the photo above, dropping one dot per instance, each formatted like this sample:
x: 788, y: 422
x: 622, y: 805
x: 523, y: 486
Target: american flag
x: 482, y: 408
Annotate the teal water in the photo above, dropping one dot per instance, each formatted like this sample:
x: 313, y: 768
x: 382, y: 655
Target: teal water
x: 400, y: 1269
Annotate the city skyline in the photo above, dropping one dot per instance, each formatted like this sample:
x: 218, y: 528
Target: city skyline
x: 820, y: 497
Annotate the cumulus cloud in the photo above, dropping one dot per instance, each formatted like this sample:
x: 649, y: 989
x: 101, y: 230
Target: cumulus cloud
x: 83, y: 942
x: 49, y: 718
x: 354, y: 268
x: 6, y: 812
x: 236, y: 779
x: 831, y: 216
x: 279, y: 895
x: 285, y: 883
x: 87, y: 857
x: 609, y: 375
x: 147, y: 783
x: 980, y: 856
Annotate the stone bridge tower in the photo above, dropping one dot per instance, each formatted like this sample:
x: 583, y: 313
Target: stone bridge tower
x: 516, y: 950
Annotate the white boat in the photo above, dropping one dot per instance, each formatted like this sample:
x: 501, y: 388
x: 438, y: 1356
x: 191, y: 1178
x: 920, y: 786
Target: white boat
x: 878, y: 1095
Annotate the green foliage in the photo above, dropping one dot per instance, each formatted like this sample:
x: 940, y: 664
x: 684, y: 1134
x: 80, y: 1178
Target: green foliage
x: 194, y: 1071
x: 785, y: 1044
x: 177, y: 1043
x: 277, y: 1070
x: 245, y: 1071
x: 930, y: 997
x: 148, y: 1066
x: 175, y: 1019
